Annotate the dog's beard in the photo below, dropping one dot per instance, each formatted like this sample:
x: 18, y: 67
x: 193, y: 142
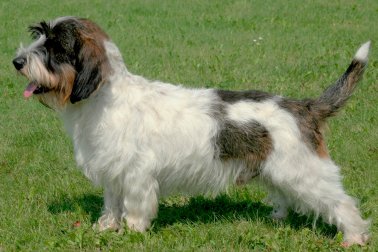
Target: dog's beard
x: 41, y: 80
x: 52, y: 89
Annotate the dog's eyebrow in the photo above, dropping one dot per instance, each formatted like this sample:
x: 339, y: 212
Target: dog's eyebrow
x: 39, y: 29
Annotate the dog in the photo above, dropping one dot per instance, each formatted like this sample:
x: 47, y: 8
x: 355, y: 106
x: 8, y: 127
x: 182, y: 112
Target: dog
x: 142, y: 140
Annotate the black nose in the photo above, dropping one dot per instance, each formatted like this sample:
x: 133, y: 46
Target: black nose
x: 19, y: 62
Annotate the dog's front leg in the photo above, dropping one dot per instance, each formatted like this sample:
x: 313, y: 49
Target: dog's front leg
x: 141, y: 201
x: 111, y: 216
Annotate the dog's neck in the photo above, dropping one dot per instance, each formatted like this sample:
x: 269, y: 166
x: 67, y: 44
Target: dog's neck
x: 115, y: 59
x: 120, y: 80
x: 117, y: 70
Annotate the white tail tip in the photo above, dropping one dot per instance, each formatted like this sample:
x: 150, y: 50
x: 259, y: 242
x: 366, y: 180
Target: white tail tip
x: 363, y: 52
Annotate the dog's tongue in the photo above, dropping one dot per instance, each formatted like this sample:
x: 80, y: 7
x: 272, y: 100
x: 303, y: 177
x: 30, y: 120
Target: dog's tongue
x: 30, y: 89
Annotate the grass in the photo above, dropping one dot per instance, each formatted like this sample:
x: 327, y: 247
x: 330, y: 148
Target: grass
x: 305, y: 46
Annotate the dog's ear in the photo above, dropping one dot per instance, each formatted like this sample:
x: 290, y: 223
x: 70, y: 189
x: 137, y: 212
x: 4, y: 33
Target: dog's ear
x: 90, y: 67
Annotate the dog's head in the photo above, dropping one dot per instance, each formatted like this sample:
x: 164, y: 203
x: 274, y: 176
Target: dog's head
x: 66, y: 62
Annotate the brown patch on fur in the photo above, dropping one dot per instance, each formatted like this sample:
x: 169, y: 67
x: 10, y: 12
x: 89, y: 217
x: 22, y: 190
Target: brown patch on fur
x: 322, y: 149
x: 93, y: 29
x: 61, y: 86
x: 249, y: 142
x: 93, y: 38
x: 92, y: 66
x: 235, y: 96
x: 308, y: 123
x: 67, y: 79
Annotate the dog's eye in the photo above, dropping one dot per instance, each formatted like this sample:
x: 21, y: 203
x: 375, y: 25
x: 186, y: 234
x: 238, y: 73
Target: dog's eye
x: 35, y: 35
x: 35, y: 32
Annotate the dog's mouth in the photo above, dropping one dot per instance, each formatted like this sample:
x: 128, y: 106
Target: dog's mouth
x: 34, y: 88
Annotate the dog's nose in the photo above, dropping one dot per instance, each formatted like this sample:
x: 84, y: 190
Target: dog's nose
x: 19, y: 62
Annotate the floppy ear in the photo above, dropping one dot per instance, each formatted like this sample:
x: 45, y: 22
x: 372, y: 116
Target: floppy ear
x: 90, y: 67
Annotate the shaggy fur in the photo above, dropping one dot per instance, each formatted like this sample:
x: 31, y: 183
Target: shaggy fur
x: 142, y: 140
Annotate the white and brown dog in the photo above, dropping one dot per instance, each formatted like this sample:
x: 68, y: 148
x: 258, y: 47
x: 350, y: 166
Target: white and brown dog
x: 142, y: 140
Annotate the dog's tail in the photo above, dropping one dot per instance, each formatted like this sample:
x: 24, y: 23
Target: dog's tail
x: 335, y: 96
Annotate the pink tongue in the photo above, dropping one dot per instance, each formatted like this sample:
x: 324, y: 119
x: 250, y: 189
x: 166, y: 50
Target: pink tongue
x: 30, y: 89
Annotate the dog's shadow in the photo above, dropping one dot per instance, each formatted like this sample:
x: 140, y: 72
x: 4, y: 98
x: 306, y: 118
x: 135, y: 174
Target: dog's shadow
x: 195, y: 210
x: 90, y: 204
x: 207, y: 210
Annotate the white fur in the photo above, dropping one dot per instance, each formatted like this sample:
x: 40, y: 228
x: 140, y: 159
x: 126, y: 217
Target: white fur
x: 363, y: 52
x: 33, y: 46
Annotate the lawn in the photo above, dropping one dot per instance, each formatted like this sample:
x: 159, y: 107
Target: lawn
x: 294, y: 48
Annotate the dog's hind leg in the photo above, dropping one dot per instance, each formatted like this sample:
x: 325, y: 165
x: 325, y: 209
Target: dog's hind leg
x: 313, y: 185
x: 279, y: 202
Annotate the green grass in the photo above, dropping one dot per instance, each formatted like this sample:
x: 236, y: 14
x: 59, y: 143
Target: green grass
x: 305, y: 46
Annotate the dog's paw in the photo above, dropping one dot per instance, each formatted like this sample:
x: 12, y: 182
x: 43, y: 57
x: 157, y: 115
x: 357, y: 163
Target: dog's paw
x: 107, y: 222
x: 138, y: 224
x: 360, y: 239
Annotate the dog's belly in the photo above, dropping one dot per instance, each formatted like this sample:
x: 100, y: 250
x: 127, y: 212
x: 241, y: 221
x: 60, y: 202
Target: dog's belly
x: 206, y: 177
x: 176, y: 170
x: 188, y: 164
